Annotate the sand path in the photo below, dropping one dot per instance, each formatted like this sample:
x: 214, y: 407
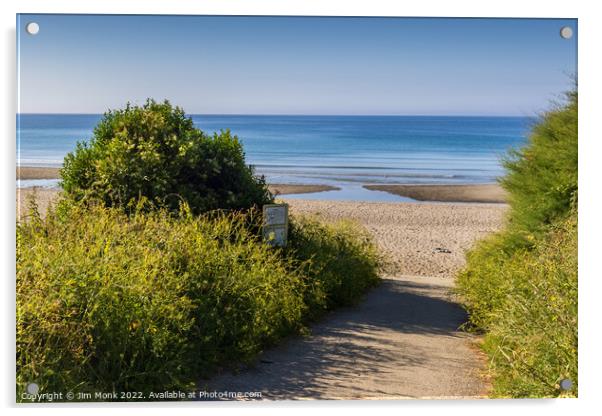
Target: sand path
x: 402, y: 341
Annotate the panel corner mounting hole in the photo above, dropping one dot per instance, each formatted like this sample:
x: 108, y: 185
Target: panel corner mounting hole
x: 566, y: 32
x: 32, y: 28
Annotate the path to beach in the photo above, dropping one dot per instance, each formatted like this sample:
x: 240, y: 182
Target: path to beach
x: 402, y: 340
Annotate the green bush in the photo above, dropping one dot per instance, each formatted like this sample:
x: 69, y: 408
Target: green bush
x: 154, y: 300
x: 154, y: 151
x: 520, y: 285
x: 541, y: 177
x: 147, y: 302
x: 339, y: 260
x: 532, y: 339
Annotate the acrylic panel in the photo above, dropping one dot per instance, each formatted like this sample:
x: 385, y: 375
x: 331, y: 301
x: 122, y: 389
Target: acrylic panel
x: 427, y: 169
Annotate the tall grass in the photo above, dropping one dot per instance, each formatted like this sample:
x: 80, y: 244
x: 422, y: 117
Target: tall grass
x: 155, y: 300
x: 340, y: 261
x: 541, y: 177
x: 532, y: 338
x: 520, y: 285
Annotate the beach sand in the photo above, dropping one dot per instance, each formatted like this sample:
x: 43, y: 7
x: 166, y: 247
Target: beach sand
x: 286, y: 189
x: 43, y: 197
x: 446, y: 193
x: 417, y: 239
x: 27, y: 172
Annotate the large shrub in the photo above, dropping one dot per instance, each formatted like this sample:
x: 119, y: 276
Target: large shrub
x: 145, y: 302
x: 154, y: 151
x: 340, y: 262
x: 520, y: 285
x: 154, y: 300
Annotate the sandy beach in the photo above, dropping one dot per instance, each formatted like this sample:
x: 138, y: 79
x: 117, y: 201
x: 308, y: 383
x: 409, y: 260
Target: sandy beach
x: 446, y: 193
x: 417, y: 239
x: 45, y: 196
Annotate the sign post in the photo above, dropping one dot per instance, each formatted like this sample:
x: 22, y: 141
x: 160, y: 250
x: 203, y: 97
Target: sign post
x: 275, y: 224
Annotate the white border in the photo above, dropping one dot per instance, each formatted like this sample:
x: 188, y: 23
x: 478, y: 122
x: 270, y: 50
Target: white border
x: 589, y: 152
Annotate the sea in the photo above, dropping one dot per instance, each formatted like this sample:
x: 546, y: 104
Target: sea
x: 342, y: 151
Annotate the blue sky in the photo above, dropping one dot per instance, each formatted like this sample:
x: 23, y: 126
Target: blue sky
x: 295, y: 65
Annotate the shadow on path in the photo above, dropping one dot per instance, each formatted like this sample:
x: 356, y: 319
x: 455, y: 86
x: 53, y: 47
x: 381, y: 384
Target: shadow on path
x: 402, y: 340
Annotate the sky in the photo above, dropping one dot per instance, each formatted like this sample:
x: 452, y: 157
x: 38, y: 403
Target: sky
x: 295, y: 65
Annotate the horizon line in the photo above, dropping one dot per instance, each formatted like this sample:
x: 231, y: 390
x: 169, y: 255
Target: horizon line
x: 300, y: 114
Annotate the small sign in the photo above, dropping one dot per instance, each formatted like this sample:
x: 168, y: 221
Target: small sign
x: 275, y: 224
x: 275, y: 214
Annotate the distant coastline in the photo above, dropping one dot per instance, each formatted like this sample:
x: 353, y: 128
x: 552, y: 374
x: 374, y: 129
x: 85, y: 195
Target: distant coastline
x: 478, y: 193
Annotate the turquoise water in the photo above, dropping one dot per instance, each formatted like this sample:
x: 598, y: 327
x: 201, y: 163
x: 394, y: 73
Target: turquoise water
x: 344, y: 151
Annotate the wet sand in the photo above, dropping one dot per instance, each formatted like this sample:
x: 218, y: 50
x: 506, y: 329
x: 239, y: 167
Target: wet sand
x: 28, y: 172
x: 492, y: 193
x: 286, y: 189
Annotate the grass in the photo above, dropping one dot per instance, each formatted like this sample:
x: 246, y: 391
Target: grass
x: 520, y: 285
x: 154, y: 301
x: 340, y: 261
x: 527, y: 304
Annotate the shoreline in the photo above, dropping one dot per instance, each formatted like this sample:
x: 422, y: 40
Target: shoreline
x: 476, y: 193
x: 39, y: 172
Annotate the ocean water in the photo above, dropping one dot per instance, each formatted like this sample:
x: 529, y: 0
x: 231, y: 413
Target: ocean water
x: 344, y: 151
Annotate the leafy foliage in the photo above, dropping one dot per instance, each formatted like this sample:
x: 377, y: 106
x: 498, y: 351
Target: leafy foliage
x: 154, y: 151
x: 541, y: 178
x: 532, y: 338
x: 153, y: 300
x: 520, y: 285
x: 340, y: 261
